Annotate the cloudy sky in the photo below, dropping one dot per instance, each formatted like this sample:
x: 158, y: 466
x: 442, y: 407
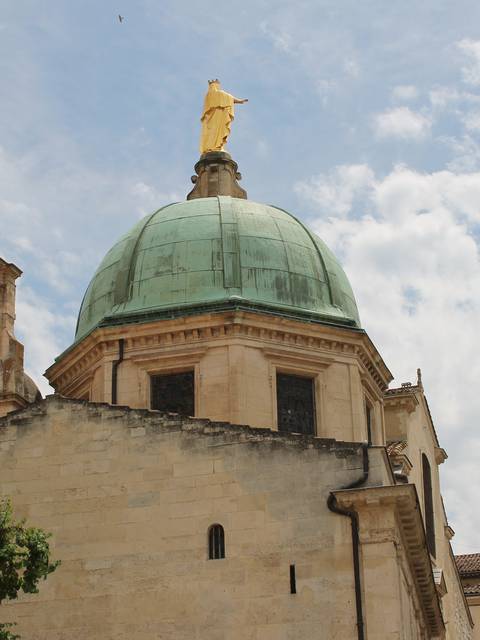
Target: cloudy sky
x: 363, y: 119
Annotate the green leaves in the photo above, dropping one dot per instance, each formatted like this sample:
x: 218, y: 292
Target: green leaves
x: 5, y: 634
x: 24, y: 560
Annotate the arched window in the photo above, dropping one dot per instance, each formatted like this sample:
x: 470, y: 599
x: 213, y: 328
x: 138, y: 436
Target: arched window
x: 428, y: 504
x: 216, y: 542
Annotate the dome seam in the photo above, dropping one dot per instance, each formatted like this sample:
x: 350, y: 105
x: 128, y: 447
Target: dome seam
x: 133, y: 257
x: 319, y: 254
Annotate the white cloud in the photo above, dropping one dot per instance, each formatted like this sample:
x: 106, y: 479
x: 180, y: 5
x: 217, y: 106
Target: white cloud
x: 23, y: 243
x: 466, y: 153
x: 335, y: 192
x: 280, y: 38
x: 404, y: 92
x: 325, y: 88
x: 351, y: 67
x: 472, y: 120
x: 471, y: 72
x: 262, y: 148
x: 148, y: 199
x: 402, y: 123
x: 450, y: 98
x: 441, y: 97
x: 413, y: 261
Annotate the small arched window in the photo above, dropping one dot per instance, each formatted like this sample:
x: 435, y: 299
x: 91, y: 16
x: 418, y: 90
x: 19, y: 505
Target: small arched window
x: 428, y: 504
x: 216, y: 542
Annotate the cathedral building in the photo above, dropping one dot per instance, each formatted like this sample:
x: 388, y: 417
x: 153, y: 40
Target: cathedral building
x: 223, y: 458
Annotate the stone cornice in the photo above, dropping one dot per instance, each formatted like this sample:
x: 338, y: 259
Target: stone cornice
x: 404, y: 500
x: 406, y: 400
x: 440, y: 455
x: 156, y: 337
x: 11, y: 402
x: 10, y: 268
x: 14, y: 397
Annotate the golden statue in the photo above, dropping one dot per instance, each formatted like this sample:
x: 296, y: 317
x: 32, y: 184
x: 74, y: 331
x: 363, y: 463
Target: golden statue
x: 217, y: 117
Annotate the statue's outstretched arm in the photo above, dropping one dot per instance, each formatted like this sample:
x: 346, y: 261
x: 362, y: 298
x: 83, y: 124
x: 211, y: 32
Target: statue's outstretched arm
x: 240, y: 100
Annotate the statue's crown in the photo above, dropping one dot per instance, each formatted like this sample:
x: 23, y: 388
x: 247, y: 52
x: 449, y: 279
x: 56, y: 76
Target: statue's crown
x: 212, y: 81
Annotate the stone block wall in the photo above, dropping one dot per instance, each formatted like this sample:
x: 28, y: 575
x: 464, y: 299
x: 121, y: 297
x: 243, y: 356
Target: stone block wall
x: 129, y: 496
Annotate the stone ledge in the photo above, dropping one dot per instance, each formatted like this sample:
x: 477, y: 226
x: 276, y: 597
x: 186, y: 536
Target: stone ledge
x: 152, y: 420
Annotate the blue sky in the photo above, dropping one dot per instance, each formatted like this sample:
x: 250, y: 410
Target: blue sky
x: 363, y: 119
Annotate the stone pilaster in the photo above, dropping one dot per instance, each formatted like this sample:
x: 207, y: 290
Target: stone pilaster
x: 12, y: 379
x: 8, y: 274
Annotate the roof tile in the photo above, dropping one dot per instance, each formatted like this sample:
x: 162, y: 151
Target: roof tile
x: 468, y: 564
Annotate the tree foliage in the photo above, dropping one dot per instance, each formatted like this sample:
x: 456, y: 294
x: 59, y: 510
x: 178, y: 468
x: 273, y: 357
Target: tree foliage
x: 5, y: 633
x: 24, y: 560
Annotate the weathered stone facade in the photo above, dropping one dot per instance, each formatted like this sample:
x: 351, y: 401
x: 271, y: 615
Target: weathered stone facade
x: 129, y: 496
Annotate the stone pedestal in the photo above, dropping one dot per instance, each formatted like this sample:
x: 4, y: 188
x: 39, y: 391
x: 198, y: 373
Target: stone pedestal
x: 216, y: 175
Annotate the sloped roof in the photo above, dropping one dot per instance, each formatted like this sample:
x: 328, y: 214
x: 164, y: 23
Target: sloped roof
x: 471, y: 589
x: 396, y: 447
x: 468, y: 565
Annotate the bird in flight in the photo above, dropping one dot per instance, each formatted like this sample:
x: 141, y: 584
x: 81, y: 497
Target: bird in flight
x: 120, y: 18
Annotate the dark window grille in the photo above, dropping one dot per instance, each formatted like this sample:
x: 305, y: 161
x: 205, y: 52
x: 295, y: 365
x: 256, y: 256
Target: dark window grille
x: 368, y: 411
x: 216, y: 542
x: 295, y: 404
x: 428, y: 504
x: 174, y: 392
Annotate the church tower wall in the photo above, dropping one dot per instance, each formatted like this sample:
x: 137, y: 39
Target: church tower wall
x: 16, y: 388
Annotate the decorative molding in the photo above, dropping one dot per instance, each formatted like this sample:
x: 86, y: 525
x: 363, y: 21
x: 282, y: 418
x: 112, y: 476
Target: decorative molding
x: 449, y: 532
x: 173, y: 360
x: 306, y: 361
x: 294, y: 366
x: 409, y: 402
x: 319, y: 343
x: 440, y: 455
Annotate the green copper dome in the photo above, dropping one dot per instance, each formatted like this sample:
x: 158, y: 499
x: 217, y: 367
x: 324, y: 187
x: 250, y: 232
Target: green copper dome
x: 216, y: 253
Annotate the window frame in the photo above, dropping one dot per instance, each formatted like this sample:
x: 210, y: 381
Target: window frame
x: 312, y: 379
x: 317, y: 373
x: 150, y: 364
x: 190, y: 370
x: 216, y: 548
